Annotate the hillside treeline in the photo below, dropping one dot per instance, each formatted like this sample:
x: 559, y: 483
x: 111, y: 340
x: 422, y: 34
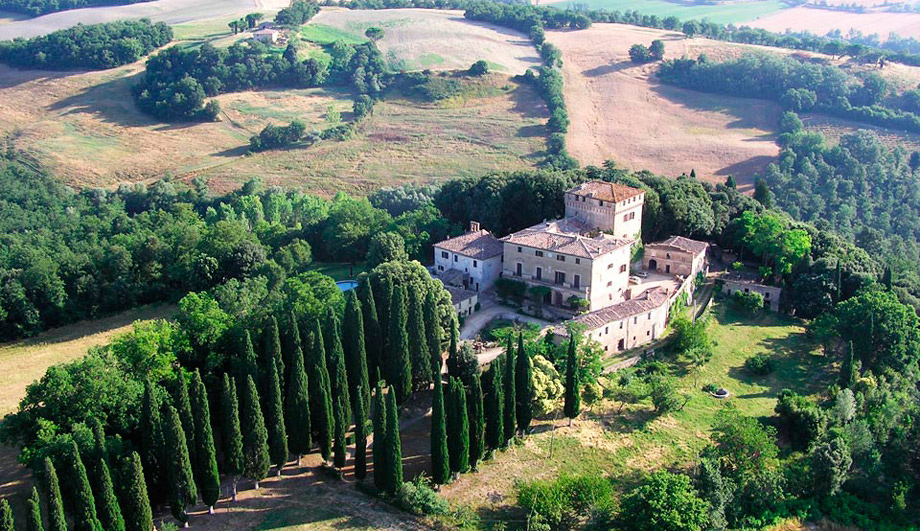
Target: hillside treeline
x: 71, y: 255
x: 177, y: 82
x: 41, y: 7
x: 798, y: 85
x: 93, y: 47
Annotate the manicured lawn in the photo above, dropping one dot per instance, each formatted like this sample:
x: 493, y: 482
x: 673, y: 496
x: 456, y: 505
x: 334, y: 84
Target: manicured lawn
x: 323, y: 34
x: 338, y: 270
x: 724, y: 13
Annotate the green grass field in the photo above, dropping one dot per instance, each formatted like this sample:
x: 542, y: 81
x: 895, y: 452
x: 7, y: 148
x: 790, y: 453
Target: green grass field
x: 322, y: 34
x: 624, y: 443
x: 724, y: 13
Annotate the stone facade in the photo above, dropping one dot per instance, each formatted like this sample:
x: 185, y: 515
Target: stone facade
x: 748, y: 283
x: 571, y: 263
x: 626, y: 325
x: 676, y: 256
x: 471, y: 261
x: 464, y: 300
x: 609, y: 207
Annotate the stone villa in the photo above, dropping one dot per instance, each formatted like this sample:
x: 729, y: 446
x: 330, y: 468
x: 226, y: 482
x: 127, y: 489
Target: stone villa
x: 583, y: 260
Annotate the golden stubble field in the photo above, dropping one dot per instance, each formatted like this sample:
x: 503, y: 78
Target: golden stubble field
x: 620, y: 110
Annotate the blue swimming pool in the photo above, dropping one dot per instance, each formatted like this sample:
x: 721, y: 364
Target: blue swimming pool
x: 346, y: 285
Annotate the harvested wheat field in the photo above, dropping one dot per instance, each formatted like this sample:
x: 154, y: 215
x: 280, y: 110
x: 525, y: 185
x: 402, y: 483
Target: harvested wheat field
x: 619, y: 111
x: 415, y: 39
x: 821, y: 21
x: 169, y: 11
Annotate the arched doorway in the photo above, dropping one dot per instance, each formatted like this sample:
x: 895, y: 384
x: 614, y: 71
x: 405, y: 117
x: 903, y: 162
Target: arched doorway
x: 653, y: 264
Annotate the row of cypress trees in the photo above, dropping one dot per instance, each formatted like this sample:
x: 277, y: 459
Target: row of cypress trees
x: 466, y: 423
x: 95, y: 504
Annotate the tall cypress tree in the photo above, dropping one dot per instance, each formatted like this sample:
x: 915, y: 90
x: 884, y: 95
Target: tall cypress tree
x: 256, y: 460
x: 394, y: 478
x: 355, y: 355
x: 84, y: 517
x: 477, y: 422
x: 341, y: 401
x: 523, y: 395
x: 440, y: 460
x: 373, y: 337
x: 34, y: 512
x: 380, y: 439
x: 136, y: 504
x: 433, y: 334
x: 458, y: 428
x: 849, y: 369
x: 182, y: 492
x: 184, y: 409
x: 360, y: 437
x: 398, y: 364
x: 208, y: 477
x: 297, y: 413
x: 510, y: 405
x: 291, y: 340
x: 152, y: 440
x: 56, y: 519
x: 233, y: 435
x: 384, y: 310
x: 453, y: 348
x: 320, y: 395
x: 419, y: 355
x: 274, y: 417
x: 272, y: 346
x: 247, y: 364
x: 107, y: 508
x: 495, y: 407
x: 6, y: 516
x: 572, y: 389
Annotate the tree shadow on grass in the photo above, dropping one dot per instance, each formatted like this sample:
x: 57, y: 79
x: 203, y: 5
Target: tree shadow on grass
x: 111, y: 101
x: 749, y: 113
x: 603, y: 70
x: 795, y: 368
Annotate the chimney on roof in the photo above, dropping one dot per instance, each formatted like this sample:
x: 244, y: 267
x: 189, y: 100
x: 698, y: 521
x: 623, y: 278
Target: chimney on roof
x: 474, y: 226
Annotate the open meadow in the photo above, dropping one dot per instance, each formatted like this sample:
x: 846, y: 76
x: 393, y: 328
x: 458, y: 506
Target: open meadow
x: 85, y: 128
x: 723, y: 12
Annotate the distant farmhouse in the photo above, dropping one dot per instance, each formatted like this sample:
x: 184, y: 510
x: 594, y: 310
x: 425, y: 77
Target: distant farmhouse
x: 267, y: 35
x: 582, y: 262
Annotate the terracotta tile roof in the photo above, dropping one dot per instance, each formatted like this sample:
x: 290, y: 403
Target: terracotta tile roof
x: 682, y: 244
x: 478, y: 244
x: 458, y: 295
x: 566, y: 236
x: 615, y: 192
x: 646, y: 302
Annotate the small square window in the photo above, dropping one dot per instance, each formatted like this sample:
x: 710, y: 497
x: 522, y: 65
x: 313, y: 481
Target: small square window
x: 445, y: 254
x: 560, y: 258
x: 623, y: 268
x: 610, y: 283
x: 519, y: 249
x: 578, y: 260
x: 538, y: 253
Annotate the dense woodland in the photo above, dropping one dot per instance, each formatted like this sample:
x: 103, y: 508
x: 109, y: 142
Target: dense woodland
x: 93, y: 47
x: 41, y: 7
